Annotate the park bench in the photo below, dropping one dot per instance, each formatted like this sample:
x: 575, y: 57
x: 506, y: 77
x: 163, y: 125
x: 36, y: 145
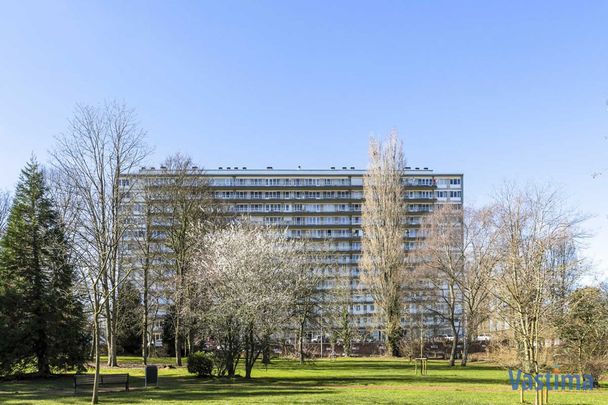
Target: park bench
x: 105, y: 380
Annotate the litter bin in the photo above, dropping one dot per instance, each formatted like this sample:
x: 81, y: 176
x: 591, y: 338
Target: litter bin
x: 151, y: 375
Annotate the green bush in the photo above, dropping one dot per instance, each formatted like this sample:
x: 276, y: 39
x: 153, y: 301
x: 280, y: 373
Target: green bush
x: 201, y: 364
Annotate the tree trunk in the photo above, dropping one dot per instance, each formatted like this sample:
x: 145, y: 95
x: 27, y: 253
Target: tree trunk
x: 248, y: 362
x: 251, y: 353
x: 144, y: 335
x: 230, y: 369
x: 41, y: 355
x: 266, y: 351
x: 465, y: 350
x: 110, y: 331
x: 92, y: 351
x: 454, y: 346
x: 94, y: 398
x: 321, y: 343
x: 112, y: 357
x: 189, y: 340
x: 393, y: 334
x: 178, y: 343
x: 301, y: 339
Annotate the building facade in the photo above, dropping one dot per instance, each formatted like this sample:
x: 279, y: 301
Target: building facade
x: 325, y: 206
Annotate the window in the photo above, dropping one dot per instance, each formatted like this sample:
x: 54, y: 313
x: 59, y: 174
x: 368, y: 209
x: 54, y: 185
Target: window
x: 273, y: 207
x: 454, y: 182
x: 272, y: 195
x: 455, y: 194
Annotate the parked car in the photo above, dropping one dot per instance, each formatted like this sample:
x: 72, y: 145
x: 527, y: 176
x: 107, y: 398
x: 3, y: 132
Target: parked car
x: 483, y: 338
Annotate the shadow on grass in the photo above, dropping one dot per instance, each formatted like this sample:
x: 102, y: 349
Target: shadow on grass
x: 173, y: 388
x: 320, y: 377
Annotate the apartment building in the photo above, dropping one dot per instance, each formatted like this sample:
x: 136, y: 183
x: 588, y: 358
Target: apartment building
x: 325, y: 206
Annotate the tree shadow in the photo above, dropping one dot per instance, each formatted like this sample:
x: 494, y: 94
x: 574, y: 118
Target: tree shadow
x: 327, y: 378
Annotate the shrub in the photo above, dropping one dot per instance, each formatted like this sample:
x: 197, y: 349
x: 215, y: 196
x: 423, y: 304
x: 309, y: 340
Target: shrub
x: 201, y: 364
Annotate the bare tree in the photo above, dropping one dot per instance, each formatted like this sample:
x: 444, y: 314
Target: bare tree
x: 101, y: 145
x: 188, y: 205
x: 308, y: 298
x: 147, y: 250
x: 5, y: 207
x: 480, y: 260
x: 458, y: 255
x: 441, y: 262
x: 531, y: 223
x: 340, y: 305
x: 383, y: 260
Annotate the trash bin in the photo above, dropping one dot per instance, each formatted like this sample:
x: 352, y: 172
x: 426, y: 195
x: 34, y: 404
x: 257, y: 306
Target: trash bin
x: 151, y: 375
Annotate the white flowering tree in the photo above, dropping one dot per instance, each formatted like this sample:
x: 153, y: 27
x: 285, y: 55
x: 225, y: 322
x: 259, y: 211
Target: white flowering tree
x: 246, y: 279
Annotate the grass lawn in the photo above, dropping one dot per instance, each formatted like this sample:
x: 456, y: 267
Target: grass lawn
x: 343, y: 381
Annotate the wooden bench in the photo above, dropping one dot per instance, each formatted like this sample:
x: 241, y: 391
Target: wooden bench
x: 104, y: 380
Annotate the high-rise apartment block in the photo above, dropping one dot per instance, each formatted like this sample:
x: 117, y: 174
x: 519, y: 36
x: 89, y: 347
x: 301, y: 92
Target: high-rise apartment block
x: 325, y: 206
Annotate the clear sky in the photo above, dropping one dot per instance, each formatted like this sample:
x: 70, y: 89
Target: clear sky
x: 495, y: 90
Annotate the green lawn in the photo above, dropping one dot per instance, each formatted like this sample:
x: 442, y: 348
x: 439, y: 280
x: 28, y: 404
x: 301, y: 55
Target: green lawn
x: 344, y: 381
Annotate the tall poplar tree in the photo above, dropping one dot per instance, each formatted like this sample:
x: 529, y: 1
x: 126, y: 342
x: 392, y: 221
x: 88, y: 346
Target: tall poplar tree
x: 383, y: 214
x: 41, y: 319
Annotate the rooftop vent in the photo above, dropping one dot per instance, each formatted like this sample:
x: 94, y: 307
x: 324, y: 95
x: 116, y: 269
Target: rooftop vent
x: 152, y: 168
x: 244, y: 168
x: 426, y: 168
x: 299, y: 167
x: 164, y: 167
x: 194, y: 167
x: 228, y: 167
x: 344, y: 167
x: 352, y: 168
x: 220, y: 168
x: 417, y: 168
x: 268, y: 167
x: 236, y: 168
x: 333, y: 168
x: 408, y: 167
x: 143, y: 168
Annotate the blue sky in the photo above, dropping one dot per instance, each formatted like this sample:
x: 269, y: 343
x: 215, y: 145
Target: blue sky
x: 496, y: 90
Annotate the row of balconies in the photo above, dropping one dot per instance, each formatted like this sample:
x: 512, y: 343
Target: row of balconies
x: 230, y: 195
x: 229, y: 182
x: 288, y: 209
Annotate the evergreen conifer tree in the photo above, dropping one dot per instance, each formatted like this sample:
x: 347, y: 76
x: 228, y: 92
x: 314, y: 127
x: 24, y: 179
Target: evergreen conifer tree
x: 41, y: 320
